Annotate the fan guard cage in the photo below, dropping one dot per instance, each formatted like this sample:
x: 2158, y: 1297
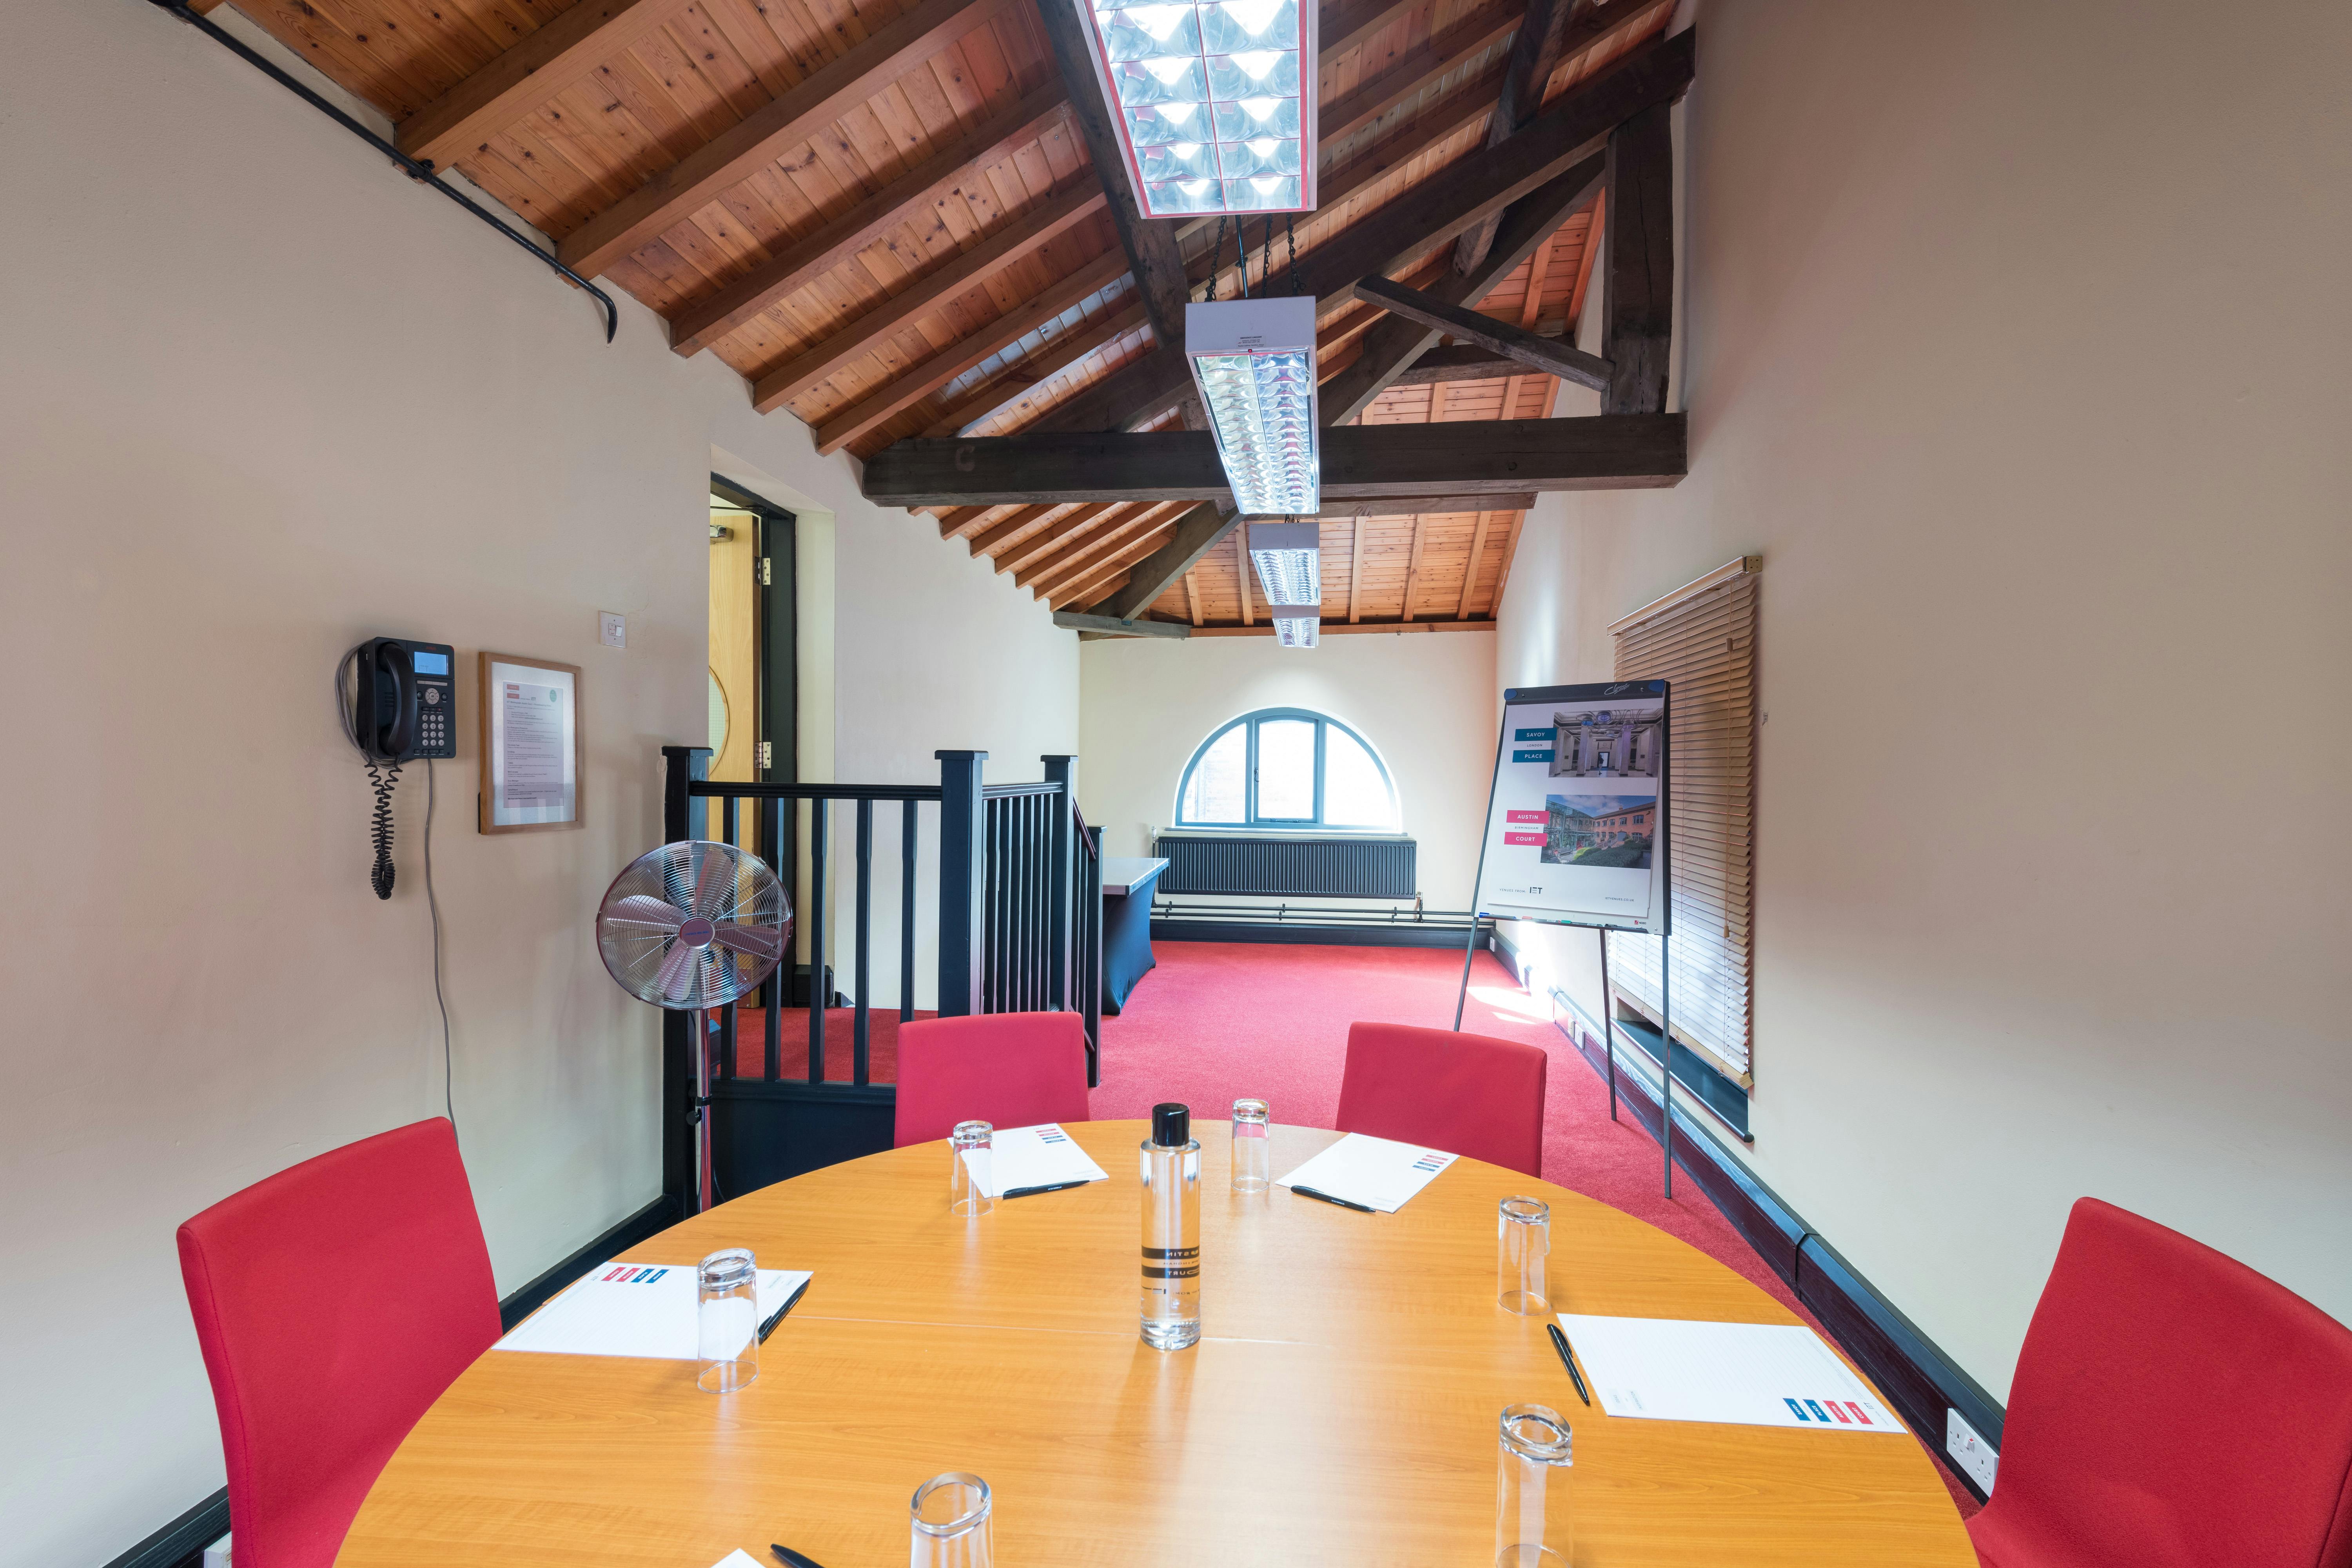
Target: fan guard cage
x: 694, y: 924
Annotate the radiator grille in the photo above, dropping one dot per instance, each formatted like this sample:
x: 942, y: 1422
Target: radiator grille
x: 1310, y: 868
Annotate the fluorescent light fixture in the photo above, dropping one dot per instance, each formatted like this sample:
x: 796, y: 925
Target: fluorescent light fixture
x: 1214, y: 101
x: 1297, y: 631
x: 1253, y: 361
x: 1289, y: 561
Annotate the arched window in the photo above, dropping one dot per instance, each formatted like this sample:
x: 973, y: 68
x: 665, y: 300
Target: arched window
x: 1286, y: 768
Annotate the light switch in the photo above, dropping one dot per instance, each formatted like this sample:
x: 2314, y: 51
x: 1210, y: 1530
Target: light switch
x: 611, y: 628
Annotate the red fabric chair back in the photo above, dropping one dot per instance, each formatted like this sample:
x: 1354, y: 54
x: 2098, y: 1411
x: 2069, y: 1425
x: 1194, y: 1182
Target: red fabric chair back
x: 2172, y: 1409
x: 1008, y: 1070
x: 1466, y: 1094
x: 334, y: 1301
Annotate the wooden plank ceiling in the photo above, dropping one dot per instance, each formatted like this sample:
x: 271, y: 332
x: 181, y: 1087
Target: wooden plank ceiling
x: 886, y: 219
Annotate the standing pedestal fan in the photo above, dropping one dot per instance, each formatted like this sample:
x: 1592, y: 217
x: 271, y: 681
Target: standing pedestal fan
x: 692, y: 926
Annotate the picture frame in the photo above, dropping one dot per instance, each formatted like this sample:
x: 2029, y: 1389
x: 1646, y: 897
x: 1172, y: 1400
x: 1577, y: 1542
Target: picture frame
x: 533, y: 753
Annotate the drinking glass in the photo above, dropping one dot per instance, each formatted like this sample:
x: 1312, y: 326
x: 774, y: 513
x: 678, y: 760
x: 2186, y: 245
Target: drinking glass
x: 972, y: 1149
x: 1534, y: 1524
x: 952, y: 1523
x: 1522, y: 1249
x: 727, y: 1321
x: 1252, y: 1153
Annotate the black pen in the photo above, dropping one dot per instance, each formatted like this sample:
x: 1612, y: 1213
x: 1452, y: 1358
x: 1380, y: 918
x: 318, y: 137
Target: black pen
x: 1048, y: 1187
x: 1560, y: 1343
x: 1311, y: 1192
x: 792, y: 1559
x: 790, y: 1302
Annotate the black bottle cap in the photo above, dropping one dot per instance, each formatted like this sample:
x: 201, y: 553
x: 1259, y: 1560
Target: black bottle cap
x: 1171, y: 1125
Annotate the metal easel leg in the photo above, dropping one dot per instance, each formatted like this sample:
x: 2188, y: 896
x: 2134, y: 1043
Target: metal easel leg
x: 1608, y: 1020
x: 1667, y: 1054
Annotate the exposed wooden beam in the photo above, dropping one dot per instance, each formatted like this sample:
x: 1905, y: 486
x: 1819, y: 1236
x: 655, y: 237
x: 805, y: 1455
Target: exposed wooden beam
x: 1412, y: 568
x: 1418, y: 219
x: 1456, y: 362
x: 542, y: 63
x: 1085, y: 587
x: 1151, y: 245
x: 1331, y: 628
x: 996, y: 535
x: 1414, y: 71
x: 1593, y: 233
x: 1023, y: 376
x: 702, y: 322
x: 1396, y: 345
x: 911, y: 387
x: 1193, y: 596
x: 956, y: 521
x: 1008, y: 245
x: 1470, y: 572
x: 1241, y: 570
x: 1344, y: 26
x: 1554, y: 32
x: 1018, y: 553
x: 1355, y: 565
x: 1638, y: 332
x: 1085, y: 553
x: 1109, y: 626
x: 1198, y: 531
x: 1550, y: 356
x: 1477, y: 458
x: 776, y: 127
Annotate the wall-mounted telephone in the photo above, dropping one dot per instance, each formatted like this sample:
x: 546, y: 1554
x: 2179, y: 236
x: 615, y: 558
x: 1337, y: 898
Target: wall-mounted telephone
x: 402, y: 704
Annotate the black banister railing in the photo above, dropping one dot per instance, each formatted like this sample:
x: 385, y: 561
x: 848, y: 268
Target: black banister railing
x: 1018, y: 917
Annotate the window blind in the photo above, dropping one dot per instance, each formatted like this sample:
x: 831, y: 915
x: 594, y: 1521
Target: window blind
x: 1702, y: 639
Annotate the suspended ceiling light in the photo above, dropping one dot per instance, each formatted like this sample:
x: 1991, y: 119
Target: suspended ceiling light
x: 1288, y: 558
x: 1253, y: 361
x: 1297, y: 631
x: 1214, y: 101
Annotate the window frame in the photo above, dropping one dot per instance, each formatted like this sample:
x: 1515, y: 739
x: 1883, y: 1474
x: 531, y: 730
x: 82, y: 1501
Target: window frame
x: 1252, y: 822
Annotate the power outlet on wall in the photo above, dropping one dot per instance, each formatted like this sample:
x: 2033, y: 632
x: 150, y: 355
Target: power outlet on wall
x: 611, y: 628
x: 1971, y: 1453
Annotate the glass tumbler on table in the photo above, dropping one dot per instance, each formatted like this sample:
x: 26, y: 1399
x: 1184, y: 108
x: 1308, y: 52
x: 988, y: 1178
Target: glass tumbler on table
x: 1535, y: 1526
x: 951, y: 1527
x: 972, y: 1149
x: 1253, y: 1152
x: 1522, y: 1252
x: 727, y: 1321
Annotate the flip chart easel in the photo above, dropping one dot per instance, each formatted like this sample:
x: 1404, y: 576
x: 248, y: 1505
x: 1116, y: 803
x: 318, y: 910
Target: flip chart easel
x: 1656, y: 917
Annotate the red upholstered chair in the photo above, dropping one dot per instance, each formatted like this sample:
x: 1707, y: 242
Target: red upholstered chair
x: 2172, y: 1409
x: 334, y: 1301
x: 1008, y: 1070
x: 1466, y: 1094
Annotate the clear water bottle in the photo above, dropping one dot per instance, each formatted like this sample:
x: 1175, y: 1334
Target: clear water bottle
x: 1171, y: 1231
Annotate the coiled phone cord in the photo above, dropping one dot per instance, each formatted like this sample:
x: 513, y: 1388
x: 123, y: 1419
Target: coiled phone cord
x: 381, y: 778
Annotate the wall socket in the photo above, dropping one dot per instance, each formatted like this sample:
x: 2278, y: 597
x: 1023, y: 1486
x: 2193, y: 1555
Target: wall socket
x: 611, y: 628
x: 1971, y: 1453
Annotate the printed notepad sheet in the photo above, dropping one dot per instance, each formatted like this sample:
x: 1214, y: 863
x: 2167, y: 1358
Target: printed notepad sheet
x: 635, y: 1309
x: 1744, y: 1375
x: 1373, y: 1172
x: 1040, y: 1156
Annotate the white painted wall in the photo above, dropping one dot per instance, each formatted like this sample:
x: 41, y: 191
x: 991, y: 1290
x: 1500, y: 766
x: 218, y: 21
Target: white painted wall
x: 2014, y: 340
x: 1426, y: 701
x: 261, y: 398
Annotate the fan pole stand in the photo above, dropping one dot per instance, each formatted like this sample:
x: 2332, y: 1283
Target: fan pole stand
x: 706, y: 1183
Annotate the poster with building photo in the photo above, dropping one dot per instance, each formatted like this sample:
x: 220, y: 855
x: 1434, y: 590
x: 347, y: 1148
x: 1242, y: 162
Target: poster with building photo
x: 1576, y: 833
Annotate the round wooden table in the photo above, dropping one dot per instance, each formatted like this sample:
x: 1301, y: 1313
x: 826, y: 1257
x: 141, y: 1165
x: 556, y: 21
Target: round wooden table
x: 1340, y: 1407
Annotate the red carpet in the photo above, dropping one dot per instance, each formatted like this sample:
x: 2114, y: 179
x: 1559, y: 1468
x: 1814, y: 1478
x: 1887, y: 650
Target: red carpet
x: 1216, y: 1022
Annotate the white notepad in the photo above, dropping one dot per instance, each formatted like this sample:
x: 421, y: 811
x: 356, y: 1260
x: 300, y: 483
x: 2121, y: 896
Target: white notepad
x: 1037, y: 1157
x: 635, y: 1309
x: 1373, y: 1172
x: 1743, y: 1374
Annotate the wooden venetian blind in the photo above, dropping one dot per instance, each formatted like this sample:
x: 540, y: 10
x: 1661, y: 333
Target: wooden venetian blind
x: 1702, y: 639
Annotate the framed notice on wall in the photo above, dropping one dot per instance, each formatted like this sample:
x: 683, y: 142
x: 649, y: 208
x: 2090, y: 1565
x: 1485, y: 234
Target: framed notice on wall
x: 1576, y: 826
x: 530, y: 744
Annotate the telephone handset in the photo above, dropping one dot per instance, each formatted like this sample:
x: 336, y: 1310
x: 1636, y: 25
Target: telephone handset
x: 403, y: 705
x: 407, y: 700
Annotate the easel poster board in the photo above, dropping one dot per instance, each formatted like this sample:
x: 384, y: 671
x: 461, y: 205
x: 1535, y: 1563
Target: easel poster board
x: 1576, y: 822
x: 530, y: 744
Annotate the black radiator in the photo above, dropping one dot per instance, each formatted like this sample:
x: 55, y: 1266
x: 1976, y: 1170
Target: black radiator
x: 1290, y: 867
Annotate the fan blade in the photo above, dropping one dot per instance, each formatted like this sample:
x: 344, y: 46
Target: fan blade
x: 717, y: 865
x: 643, y: 908
x: 676, y: 976
x: 759, y: 942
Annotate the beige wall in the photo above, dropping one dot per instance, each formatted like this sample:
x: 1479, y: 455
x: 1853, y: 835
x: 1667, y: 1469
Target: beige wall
x: 2015, y: 340
x: 1425, y: 700
x: 260, y: 397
